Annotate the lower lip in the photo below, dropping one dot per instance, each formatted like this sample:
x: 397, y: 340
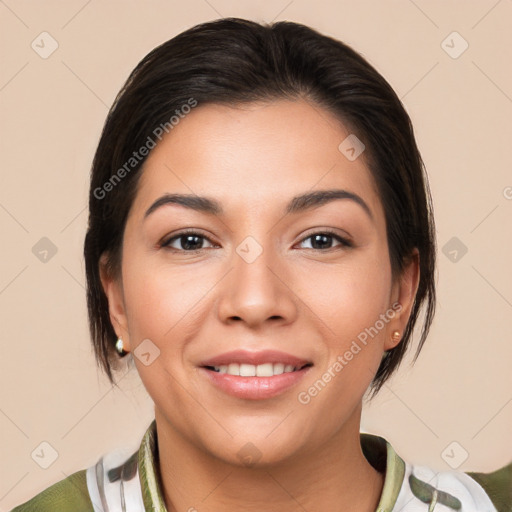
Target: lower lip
x: 255, y: 388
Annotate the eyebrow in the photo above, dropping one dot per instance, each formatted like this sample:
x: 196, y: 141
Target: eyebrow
x: 297, y: 204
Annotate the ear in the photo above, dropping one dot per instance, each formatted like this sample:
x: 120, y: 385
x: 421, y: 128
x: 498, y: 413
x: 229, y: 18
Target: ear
x: 404, y: 293
x: 113, y: 289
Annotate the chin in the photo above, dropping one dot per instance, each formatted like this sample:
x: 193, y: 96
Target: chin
x: 257, y: 454
x: 259, y: 448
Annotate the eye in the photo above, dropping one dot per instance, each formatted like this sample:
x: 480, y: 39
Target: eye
x: 188, y: 241
x: 322, y: 239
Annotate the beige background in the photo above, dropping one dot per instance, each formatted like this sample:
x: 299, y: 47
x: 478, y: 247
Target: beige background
x: 52, y: 111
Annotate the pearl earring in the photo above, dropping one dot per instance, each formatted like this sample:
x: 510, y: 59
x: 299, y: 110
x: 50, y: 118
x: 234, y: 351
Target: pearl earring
x: 120, y: 347
x: 396, y: 336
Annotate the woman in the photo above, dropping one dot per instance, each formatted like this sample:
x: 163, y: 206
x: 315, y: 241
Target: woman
x: 261, y: 242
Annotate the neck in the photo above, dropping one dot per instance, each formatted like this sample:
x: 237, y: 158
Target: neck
x: 335, y: 477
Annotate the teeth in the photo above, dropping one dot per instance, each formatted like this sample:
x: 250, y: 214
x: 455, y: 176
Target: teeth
x: 247, y: 370
x: 278, y: 368
x: 264, y: 370
x: 251, y: 370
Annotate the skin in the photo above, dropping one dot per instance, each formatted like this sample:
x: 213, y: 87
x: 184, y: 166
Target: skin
x: 295, y: 297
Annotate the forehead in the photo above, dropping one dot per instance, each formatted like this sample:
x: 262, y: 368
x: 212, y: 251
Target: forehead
x: 257, y: 155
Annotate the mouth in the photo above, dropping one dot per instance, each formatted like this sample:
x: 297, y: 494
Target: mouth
x: 255, y: 375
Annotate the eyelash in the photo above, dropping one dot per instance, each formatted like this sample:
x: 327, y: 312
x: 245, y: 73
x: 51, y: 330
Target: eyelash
x: 344, y: 241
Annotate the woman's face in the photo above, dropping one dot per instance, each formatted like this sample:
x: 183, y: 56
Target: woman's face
x: 266, y: 284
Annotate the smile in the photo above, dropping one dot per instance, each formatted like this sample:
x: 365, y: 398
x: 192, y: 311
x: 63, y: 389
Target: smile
x: 255, y: 375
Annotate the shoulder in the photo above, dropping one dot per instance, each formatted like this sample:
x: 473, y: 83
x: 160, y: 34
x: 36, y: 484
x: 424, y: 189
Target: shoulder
x: 498, y: 486
x: 411, y: 487
x: 67, y: 495
x: 457, y: 490
x: 112, y: 483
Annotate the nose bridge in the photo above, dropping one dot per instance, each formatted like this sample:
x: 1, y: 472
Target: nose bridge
x: 256, y: 291
x: 253, y: 260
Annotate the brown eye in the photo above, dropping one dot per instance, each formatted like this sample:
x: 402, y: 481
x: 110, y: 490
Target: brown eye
x: 187, y: 241
x: 323, y: 240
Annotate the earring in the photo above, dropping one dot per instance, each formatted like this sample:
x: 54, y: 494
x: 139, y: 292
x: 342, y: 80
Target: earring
x: 396, y: 336
x: 120, y: 347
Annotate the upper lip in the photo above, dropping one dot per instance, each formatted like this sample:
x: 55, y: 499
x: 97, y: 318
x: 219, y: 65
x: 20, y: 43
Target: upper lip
x: 255, y: 358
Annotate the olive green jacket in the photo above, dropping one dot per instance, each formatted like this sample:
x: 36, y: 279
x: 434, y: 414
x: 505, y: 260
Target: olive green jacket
x: 132, y: 484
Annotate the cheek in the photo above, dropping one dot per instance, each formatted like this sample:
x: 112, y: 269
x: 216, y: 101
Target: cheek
x: 352, y: 304
x: 350, y: 298
x: 162, y: 305
x: 166, y: 304
x: 350, y: 301
x: 160, y: 299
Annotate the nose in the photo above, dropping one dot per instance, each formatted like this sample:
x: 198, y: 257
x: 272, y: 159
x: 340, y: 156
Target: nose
x: 257, y: 291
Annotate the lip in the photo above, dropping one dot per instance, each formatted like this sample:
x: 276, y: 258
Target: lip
x: 255, y: 388
x: 255, y: 358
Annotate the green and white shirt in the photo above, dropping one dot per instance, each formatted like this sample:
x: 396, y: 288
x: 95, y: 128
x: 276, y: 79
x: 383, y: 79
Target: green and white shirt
x: 131, y: 483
